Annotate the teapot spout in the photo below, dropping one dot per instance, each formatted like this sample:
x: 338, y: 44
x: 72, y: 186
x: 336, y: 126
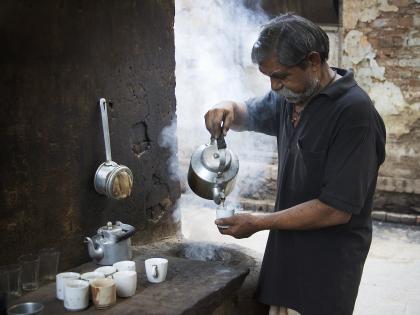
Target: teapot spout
x: 94, y: 253
x: 218, y: 195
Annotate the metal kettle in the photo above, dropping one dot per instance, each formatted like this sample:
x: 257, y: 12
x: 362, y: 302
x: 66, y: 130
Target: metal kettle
x: 111, y: 243
x: 213, y: 169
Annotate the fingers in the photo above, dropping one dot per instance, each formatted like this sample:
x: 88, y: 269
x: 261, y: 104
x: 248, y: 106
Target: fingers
x: 214, y: 119
x: 225, y: 221
x: 217, y: 123
x: 208, y: 122
x: 227, y: 123
x: 225, y: 231
x: 219, y: 119
x: 226, y: 226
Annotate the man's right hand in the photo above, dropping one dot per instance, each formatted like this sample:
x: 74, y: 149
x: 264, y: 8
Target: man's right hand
x: 223, y: 116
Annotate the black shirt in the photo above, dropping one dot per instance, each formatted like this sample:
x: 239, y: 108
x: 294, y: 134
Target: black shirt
x: 333, y: 155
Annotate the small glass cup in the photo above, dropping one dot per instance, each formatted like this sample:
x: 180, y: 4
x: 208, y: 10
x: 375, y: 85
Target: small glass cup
x: 4, y: 280
x: 48, y: 263
x: 3, y: 302
x: 10, y: 280
x: 30, y: 271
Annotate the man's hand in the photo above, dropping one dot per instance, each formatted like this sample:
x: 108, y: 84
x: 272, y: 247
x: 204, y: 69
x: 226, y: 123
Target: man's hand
x: 309, y: 215
x: 219, y: 119
x: 240, y: 225
x: 224, y: 116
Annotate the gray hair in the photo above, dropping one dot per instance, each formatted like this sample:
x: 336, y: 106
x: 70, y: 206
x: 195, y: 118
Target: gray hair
x: 291, y: 38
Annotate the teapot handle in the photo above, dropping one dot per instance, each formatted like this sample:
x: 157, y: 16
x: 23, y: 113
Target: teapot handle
x: 221, y: 143
x: 221, y: 146
x: 128, y: 229
x: 126, y: 235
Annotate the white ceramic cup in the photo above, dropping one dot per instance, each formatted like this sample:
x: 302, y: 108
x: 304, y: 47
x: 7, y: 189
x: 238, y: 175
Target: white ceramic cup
x: 125, y: 265
x: 61, y: 279
x: 89, y: 276
x: 108, y: 271
x: 76, y: 295
x: 224, y: 213
x: 156, y: 269
x: 104, y: 293
x: 126, y: 282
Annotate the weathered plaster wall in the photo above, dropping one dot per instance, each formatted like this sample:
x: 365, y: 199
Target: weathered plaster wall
x: 381, y: 42
x: 57, y: 59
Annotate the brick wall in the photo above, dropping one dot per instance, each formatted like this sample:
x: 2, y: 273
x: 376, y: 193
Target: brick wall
x: 381, y: 42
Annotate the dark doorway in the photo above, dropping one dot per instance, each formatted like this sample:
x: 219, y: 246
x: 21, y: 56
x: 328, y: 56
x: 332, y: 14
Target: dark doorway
x: 324, y: 12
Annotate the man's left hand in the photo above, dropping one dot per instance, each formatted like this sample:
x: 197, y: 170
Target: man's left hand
x: 240, y: 225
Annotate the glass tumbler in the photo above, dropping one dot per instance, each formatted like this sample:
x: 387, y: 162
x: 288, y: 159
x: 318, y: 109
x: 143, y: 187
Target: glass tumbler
x: 30, y: 271
x: 48, y: 263
x: 10, y: 279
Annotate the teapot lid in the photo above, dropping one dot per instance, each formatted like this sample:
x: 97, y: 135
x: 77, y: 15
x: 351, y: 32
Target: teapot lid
x: 211, y: 157
x: 115, y: 233
x: 110, y: 228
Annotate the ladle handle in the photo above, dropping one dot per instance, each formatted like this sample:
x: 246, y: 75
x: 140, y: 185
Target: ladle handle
x: 104, y: 114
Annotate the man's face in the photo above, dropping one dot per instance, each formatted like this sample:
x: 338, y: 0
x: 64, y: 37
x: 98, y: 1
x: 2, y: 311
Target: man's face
x: 292, y: 82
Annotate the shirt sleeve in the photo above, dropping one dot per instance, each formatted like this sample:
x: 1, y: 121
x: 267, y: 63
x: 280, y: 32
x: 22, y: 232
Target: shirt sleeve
x: 351, y: 167
x: 263, y: 114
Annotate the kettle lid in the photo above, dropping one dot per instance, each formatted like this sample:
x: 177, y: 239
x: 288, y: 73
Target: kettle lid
x: 117, y: 232
x: 110, y: 228
x: 211, y: 157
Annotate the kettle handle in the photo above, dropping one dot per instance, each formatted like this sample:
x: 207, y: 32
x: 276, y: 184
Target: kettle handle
x: 128, y: 229
x: 221, y: 143
x: 126, y: 235
x: 221, y: 147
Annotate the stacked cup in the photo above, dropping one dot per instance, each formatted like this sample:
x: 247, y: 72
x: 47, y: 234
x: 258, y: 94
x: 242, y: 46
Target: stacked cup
x: 76, y: 295
x: 125, y: 278
x: 72, y: 291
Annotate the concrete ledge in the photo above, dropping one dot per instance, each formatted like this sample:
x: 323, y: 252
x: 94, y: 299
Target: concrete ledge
x: 257, y: 205
x: 192, y: 286
x: 410, y: 219
x: 384, y: 216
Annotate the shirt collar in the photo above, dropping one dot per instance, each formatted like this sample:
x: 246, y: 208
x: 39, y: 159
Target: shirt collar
x: 342, y: 85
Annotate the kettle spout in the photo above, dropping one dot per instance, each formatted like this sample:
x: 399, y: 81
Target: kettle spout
x: 94, y: 253
x: 218, y: 195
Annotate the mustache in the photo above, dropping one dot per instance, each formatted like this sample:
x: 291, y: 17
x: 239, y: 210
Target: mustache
x: 294, y: 97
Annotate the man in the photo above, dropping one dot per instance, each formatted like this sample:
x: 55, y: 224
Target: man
x: 331, y: 142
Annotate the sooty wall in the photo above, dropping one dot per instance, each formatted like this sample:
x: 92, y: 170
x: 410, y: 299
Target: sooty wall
x: 57, y: 59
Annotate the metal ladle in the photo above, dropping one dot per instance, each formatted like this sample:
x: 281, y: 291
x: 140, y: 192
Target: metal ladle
x: 113, y: 180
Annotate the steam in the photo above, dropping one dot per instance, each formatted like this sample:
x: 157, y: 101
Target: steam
x: 206, y: 252
x: 213, y: 41
x: 167, y: 139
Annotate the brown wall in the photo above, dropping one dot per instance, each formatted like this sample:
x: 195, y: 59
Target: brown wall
x: 56, y: 59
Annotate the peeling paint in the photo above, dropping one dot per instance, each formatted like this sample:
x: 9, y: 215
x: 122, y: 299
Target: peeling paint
x: 364, y: 11
x: 413, y: 39
x: 387, y: 96
x: 357, y: 47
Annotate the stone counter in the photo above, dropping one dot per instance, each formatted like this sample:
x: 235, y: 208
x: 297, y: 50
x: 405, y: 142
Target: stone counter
x: 199, y: 279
